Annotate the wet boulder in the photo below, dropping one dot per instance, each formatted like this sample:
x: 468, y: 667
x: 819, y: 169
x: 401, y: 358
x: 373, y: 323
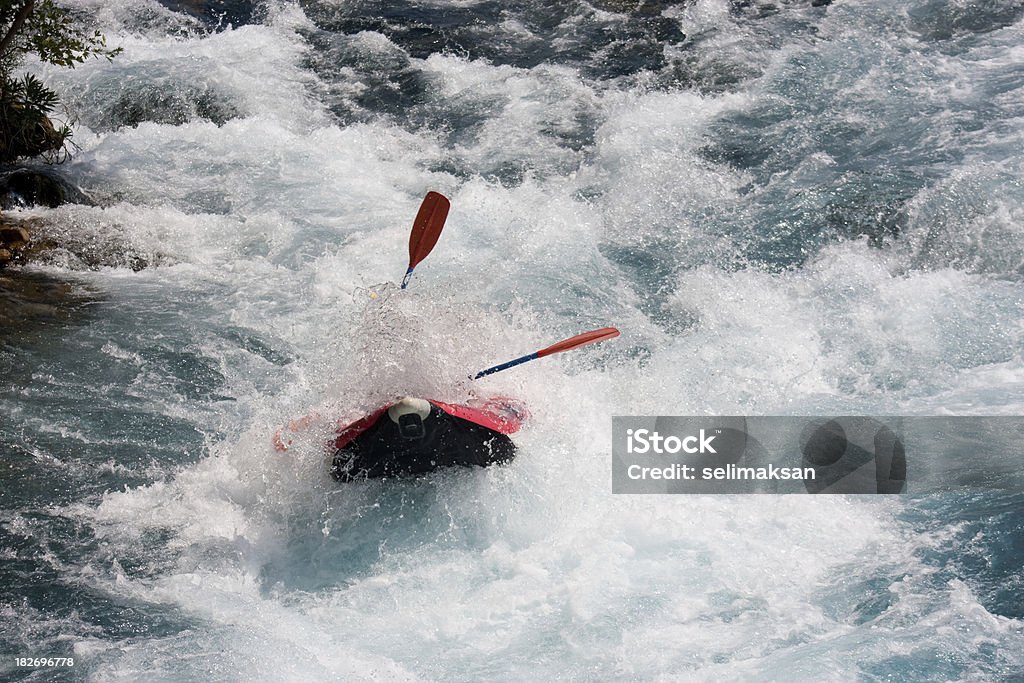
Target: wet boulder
x: 13, y: 240
x: 24, y: 187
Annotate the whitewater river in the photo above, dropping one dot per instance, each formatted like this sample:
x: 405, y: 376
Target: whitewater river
x: 786, y: 209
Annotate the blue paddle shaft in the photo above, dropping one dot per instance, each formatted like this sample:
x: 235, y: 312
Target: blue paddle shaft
x: 506, y: 366
x: 408, y: 276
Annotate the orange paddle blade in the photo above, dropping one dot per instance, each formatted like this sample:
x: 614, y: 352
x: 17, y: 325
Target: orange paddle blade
x: 426, y: 229
x: 591, y: 337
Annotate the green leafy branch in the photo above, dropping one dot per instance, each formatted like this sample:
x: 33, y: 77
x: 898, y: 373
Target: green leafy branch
x: 52, y: 33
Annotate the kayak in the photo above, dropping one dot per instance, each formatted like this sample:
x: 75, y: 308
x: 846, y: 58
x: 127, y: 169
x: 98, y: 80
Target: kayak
x: 416, y: 436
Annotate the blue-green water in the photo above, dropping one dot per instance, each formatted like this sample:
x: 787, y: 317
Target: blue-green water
x: 786, y: 209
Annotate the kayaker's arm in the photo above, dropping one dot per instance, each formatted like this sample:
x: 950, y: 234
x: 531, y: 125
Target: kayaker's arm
x: 294, y: 426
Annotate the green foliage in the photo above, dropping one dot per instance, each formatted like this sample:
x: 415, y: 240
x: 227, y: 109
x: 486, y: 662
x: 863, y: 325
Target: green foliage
x: 36, y: 97
x: 54, y: 37
x: 51, y: 32
x: 25, y: 128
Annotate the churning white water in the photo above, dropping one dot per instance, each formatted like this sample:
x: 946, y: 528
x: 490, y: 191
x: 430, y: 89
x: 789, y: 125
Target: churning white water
x: 793, y: 210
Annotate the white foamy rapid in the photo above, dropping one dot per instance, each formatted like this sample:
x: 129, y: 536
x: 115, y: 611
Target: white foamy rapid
x: 266, y: 222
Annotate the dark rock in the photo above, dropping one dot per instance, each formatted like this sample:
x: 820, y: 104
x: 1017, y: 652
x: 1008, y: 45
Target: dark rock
x: 13, y: 237
x: 217, y: 14
x: 13, y: 241
x: 26, y: 187
x: 171, y: 102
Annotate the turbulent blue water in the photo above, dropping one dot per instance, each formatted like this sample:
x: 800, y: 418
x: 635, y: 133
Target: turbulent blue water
x: 786, y: 208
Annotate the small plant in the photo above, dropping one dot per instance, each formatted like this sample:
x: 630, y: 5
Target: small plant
x: 52, y: 33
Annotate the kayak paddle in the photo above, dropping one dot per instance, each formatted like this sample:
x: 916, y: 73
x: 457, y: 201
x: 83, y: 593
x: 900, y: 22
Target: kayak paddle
x: 425, y: 230
x: 579, y: 340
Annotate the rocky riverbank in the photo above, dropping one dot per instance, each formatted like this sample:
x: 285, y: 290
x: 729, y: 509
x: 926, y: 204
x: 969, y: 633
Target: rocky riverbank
x: 14, y: 240
x: 24, y: 240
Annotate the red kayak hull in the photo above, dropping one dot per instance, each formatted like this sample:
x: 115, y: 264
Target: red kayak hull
x: 499, y: 414
x: 467, y: 435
